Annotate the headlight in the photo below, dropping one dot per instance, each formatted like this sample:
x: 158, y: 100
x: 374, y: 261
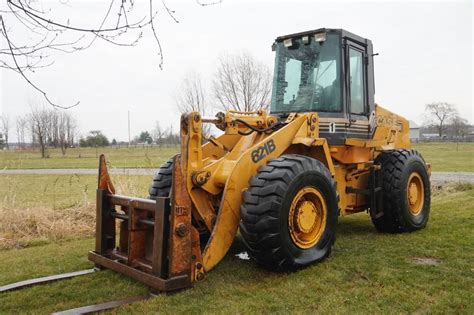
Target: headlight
x: 320, y: 37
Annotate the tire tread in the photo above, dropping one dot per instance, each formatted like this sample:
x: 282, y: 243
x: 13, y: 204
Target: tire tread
x: 260, y: 222
x: 393, y: 163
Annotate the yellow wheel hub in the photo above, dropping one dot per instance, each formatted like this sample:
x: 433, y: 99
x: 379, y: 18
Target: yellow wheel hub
x: 307, y: 217
x: 415, y: 193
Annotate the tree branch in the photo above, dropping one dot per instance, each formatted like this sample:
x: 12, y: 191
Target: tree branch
x: 20, y: 71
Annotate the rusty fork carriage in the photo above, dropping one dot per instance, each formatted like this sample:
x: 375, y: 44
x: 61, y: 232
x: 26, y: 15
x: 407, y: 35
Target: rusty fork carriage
x: 156, y: 243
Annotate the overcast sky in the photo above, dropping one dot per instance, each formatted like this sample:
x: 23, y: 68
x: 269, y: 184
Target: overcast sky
x: 426, y: 52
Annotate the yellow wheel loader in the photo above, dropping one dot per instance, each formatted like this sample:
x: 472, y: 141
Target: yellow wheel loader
x: 282, y: 178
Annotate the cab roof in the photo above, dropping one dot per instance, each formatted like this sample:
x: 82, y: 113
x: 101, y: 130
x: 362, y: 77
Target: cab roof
x: 339, y: 31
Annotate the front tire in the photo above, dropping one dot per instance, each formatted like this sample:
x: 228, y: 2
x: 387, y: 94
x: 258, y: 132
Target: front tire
x: 162, y: 181
x: 405, y: 192
x: 289, y: 213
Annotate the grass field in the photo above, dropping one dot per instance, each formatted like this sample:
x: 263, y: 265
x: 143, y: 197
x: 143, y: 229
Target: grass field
x: 429, y: 271
x: 448, y: 156
x: 443, y: 157
x: 63, y: 191
x: 144, y: 157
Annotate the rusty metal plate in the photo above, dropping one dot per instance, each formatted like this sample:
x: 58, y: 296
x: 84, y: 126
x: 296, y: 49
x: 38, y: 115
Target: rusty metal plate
x: 180, y: 250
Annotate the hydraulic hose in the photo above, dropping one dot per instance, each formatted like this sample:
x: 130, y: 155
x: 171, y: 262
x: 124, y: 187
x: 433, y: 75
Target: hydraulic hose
x: 269, y: 129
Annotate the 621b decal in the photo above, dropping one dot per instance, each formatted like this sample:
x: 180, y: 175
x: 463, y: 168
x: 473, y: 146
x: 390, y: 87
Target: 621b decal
x: 262, y: 151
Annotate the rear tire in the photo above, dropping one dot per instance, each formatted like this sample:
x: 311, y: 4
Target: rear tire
x: 289, y: 213
x: 405, y: 192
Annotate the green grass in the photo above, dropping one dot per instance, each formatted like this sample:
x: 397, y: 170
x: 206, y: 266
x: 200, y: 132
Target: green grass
x: 444, y: 157
x: 368, y: 272
x: 448, y: 156
x: 87, y: 157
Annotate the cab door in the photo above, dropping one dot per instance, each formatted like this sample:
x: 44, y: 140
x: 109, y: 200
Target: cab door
x: 357, y: 107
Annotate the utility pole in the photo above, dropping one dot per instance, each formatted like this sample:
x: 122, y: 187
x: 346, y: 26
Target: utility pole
x: 129, y: 129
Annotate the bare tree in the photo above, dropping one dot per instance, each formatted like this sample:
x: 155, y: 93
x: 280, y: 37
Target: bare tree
x: 172, y: 138
x: 459, y: 126
x: 5, y: 127
x: 71, y: 131
x: 122, y: 23
x: 31, y: 129
x: 66, y: 129
x: 438, y: 114
x: 40, y: 120
x: 242, y: 83
x: 191, y: 97
x: 21, y: 123
x: 53, y: 129
x: 158, y: 134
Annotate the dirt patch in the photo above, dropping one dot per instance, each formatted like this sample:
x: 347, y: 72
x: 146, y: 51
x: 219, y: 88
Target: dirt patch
x: 429, y: 261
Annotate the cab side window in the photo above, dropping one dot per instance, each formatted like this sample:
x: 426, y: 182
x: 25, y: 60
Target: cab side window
x: 356, y: 75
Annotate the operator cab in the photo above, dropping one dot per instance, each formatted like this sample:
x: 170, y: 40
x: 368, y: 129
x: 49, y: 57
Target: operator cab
x: 329, y: 71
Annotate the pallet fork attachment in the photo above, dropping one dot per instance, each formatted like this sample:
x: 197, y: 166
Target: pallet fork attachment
x: 154, y: 241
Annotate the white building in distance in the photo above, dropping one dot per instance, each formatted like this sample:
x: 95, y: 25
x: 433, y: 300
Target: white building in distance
x: 414, y: 131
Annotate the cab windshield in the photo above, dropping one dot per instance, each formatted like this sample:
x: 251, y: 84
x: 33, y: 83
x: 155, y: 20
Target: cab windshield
x: 307, y: 76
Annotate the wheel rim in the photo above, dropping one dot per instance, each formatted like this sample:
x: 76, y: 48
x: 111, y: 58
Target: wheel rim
x: 415, y: 193
x: 307, y: 217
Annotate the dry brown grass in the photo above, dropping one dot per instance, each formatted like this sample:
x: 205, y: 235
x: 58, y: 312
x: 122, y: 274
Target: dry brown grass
x: 447, y: 189
x: 20, y: 227
x: 23, y: 223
